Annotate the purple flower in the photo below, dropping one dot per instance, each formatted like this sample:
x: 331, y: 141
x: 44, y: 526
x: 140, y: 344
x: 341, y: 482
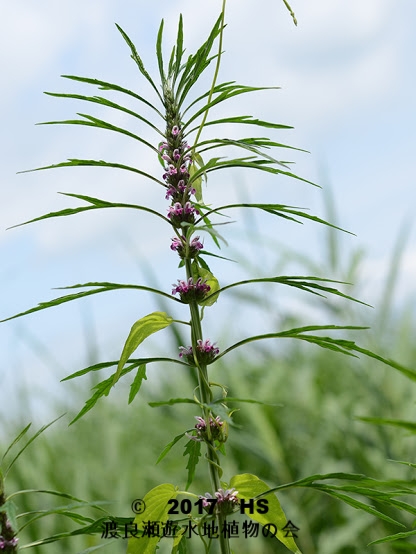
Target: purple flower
x: 176, y: 244
x: 217, y: 430
x: 206, y: 352
x: 176, y: 209
x: 176, y: 155
x: 189, y: 209
x: 7, y: 543
x: 190, y: 290
x: 207, y: 348
x: 186, y: 353
x: 226, y: 500
x: 170, y: 192
x: 175, y: 130
x: 195, y: 243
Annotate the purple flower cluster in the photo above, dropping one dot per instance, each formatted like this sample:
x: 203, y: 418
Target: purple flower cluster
x: 206, y: 352
x: 191, y: 290
x: 8, y: 543
x: 217, y: 430
x: 226, y: 500
x: 181, y: 246
x: 175, y: 152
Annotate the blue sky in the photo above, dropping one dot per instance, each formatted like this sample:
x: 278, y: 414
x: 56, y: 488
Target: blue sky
x: 347, y: 78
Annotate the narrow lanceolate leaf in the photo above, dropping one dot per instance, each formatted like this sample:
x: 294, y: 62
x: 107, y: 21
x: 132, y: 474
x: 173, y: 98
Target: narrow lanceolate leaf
x: 287, y: 212
x: 138, y: 361
x: 193, y: 450
x: 172, y: 401
x: 137, y: 59
x: 29, y: 442
x: 380, y: 491
x: 408, y: 425
x: 178, y: 50
x: 196, y: 64
x: 169, y: 446
x: 228, y: 399
x: 342, y: 346
x: 308, y: 284
x: 15, y: 441
x: 395, y: 537
x: 249, y: 162
x: 91, y: 121
x: 225, y: 94
x: 99, y: 287
x: 246, y: 120
x: 74, y: 162
x: 159, y: 54
x: 217, y: 143
x: 142, y: 329
x: 104, y: 102
x: 157, y: 507
x: 105, y: 85
x: 292, y: 13
x: 137, y: 383
x: 102, y: 389
x: 95, y: 204
x: 249, y: 487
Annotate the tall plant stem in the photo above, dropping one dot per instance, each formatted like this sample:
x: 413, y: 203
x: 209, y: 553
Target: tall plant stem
x: 205, y: 396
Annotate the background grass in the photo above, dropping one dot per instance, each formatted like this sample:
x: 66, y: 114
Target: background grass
x: 110, y: 454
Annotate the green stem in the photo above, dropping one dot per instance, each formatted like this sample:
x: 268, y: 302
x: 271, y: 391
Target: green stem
x: 205, y: 396
x: 205, y: 392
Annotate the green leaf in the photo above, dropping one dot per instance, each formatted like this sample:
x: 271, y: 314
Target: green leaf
x: 102, y: 389
x: 408, y: 425
x: 159, y: 52
x: 104, y: 102
x: 157, y: 507
x: 395, y: 537
x: 9, y: 508
x: 286, y: 3
x: 245, y: 120
x: 15, y: 441
x: 142, y: 329
x: 170, y: 445
x: 179, y: 49
x: 307, y: 284
x: 104, y: 85
x: 197, y: 63
x: 137, y: 59
x: 179, y: 545
x: 248, y: 487
x: 173, y: 401
x: 75, y: 162
x: 338, y: 345
x: 103, y: 365
x: 92, y: 121
x: 137, y: 383
x: 196, y: 183
x: 193, y: 450
x: 100, y: 287
x: 29, y: 442
x: 214, y: 285
x: 96, y: 203
x: 249, y: 400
